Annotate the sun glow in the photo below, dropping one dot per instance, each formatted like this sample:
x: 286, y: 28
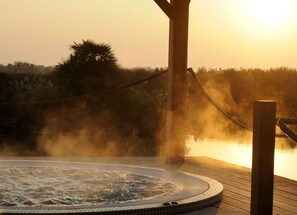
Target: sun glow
x: 270, y: 16
x: 240, y: 153
x: 269, y: 11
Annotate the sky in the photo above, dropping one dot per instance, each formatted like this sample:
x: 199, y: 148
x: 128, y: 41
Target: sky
x: 222, y: 33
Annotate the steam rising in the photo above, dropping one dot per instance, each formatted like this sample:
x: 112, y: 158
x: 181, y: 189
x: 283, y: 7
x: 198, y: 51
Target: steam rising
x: 207, y: 122
x: 81, y: 136
x: 75, y: 132
x: 88, y: 128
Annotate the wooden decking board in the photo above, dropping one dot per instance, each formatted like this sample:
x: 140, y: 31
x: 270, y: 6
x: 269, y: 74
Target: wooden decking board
x: 223, y: 206
x: 285, y: 189
x: 236, y: 203
x: 244, y: 190
x: 238, y: 197
x: 282, y: 212
x: 227, y: 172
x: 283, y: 208
x: 282, y: 182
x: 286, y: 197
x: 224, y: 174
x: 242, y: 193
x: 244, y: 197
x: 286, y: 200
x: 280, y: 193
x: 286, y: 180
x: 235, y: 184
x: 219, y: 174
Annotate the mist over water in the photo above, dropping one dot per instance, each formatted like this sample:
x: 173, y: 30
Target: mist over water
x: 132, y: 121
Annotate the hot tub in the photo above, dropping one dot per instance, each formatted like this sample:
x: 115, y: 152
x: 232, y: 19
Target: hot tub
x: 63, y: 187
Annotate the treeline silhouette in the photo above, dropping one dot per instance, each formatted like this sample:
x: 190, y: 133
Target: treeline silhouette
x: 128, y: 121
x: 236, y: 90
x: 124, y: 122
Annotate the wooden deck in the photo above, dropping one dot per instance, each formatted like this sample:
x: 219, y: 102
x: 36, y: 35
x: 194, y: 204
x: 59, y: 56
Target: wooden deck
x: 237, y: 185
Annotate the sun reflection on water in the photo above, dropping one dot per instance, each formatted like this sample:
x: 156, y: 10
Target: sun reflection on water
x: 240, y: 153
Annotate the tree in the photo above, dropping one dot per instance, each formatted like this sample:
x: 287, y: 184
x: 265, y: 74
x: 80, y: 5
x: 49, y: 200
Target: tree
x: 90, y: 52
x: 90, y: 67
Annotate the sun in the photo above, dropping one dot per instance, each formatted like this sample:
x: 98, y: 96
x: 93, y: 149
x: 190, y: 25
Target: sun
x: 268, y: 15
x: 268, y: 11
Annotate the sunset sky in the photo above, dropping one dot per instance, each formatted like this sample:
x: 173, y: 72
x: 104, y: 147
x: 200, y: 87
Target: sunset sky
x: 222, y: 33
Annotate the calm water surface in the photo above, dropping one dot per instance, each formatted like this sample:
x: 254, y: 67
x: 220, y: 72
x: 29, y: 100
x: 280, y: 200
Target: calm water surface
x: 241, y: 154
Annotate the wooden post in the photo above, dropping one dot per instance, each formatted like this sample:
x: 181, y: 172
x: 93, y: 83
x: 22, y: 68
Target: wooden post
x: 263, y: 157
x: 178, y: 12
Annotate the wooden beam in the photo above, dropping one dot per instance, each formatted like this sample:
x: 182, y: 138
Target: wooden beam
x: 178, y: 12
x: 263, y: 157
x: 178, y: 57
x: 166, y: 7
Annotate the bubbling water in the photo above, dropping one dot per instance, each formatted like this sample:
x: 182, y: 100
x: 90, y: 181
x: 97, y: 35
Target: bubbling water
x: 46, y: 186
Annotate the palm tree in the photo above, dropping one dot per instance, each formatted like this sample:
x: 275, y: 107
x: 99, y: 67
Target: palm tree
x: 90, y: 52
x: 90, y: 67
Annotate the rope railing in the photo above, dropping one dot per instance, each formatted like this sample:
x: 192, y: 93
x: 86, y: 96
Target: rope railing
x: 97, y: 93
x: 282, y: 122
x: 283, y: 125
x: 221, y: 109
x: 212, y: 101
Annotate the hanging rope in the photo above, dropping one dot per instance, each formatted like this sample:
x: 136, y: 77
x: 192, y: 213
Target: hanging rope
x: 97, y: 93
x: 283, y: 124
x: 222, y: 110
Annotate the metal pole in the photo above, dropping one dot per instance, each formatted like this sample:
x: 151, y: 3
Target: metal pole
x: 263, y: 157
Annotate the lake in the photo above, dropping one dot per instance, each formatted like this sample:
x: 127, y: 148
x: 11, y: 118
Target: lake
x: 241, y: 154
